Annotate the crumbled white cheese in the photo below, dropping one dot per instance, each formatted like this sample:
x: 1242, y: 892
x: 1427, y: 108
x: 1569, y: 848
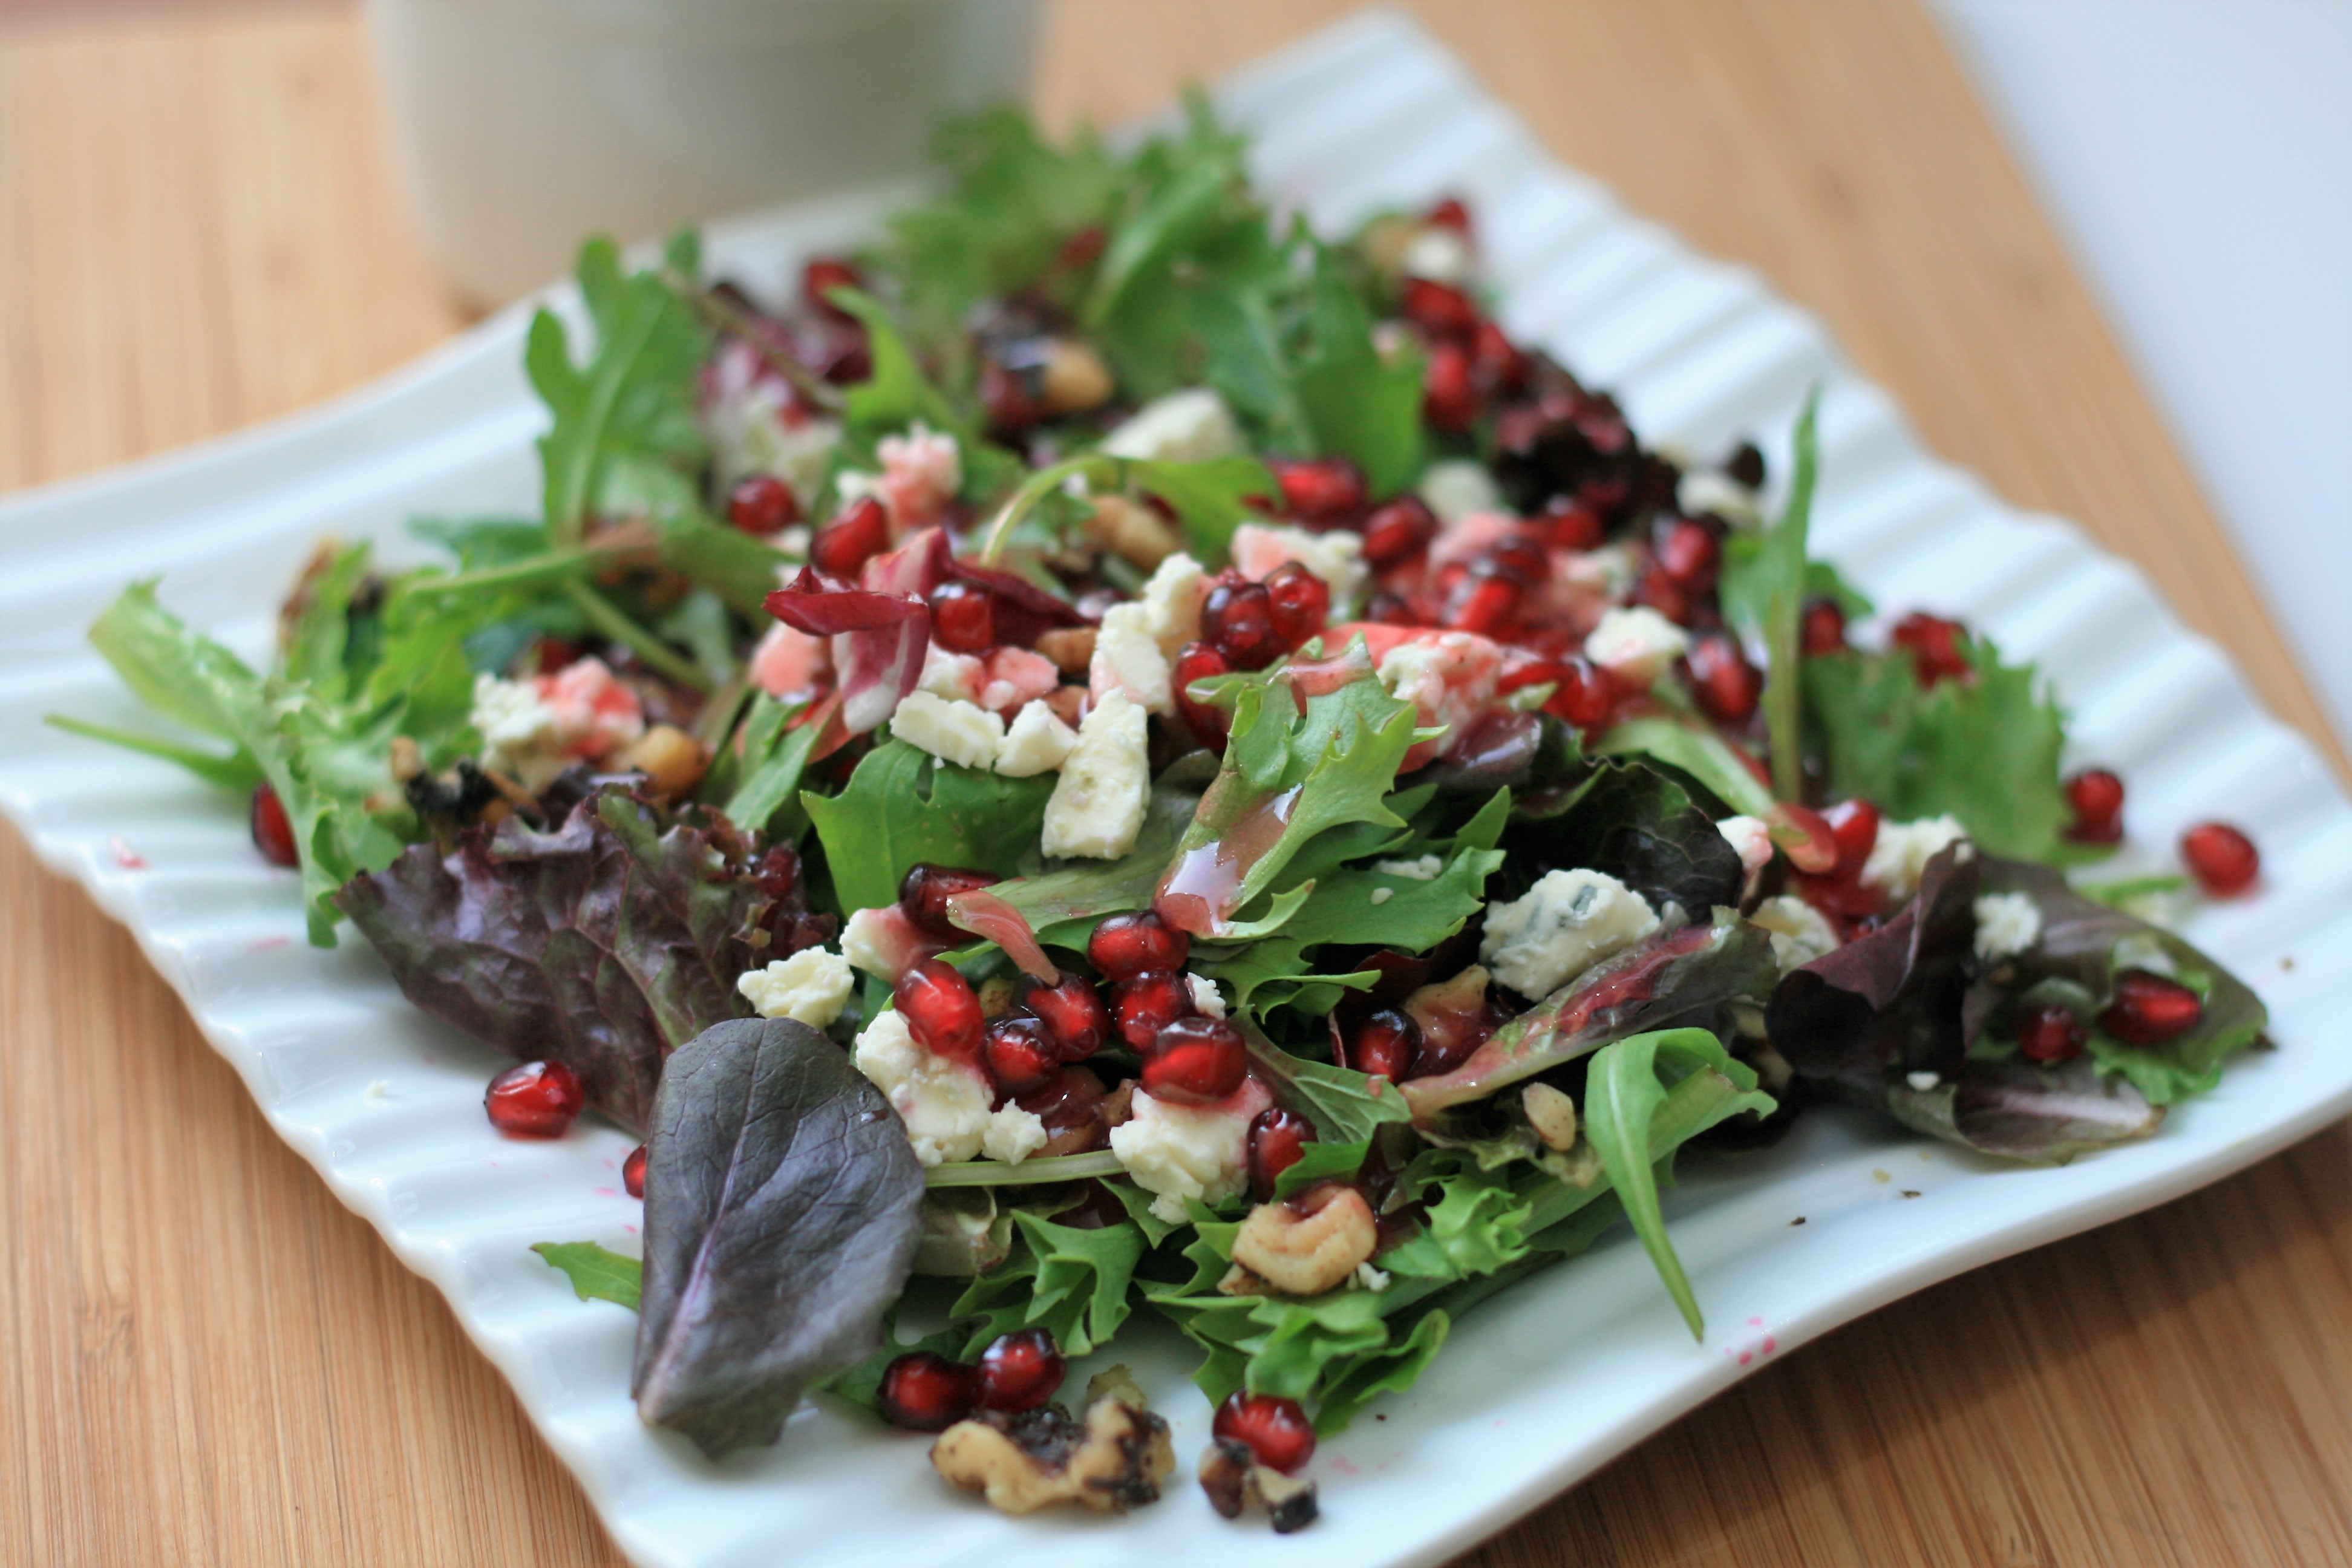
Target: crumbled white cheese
x: 1441, y: 255
x: 1383, y: 895
x: 379, y: 1089
x: 869, y: 943
x: 811, y: 987
x: 1260, y: 548
x: 1098, y: 804
x: 1458, y: 487
x: 1609, y: 570
x: 1036, y: 741
x: 1923, y: 1081
x: 2007, y: 924
x: 1179, y: 1151
x: 1751, y: 838
x: 1801, y: 934
x: 955, y: 731
x: 1206, y: 999
x: 1424, y: 870
x: 1370, y: 1279
x: 532, y: 729
x: 954, y: 676
x: 1191, y: 426
x: 1128, y: 659
x: 750, y: 432
x: 1636, y: 642
x: 921, y: 471
x: 1448, y: 676
x: 944, y: 1103
x: 1013, y: 1134
x: 1569, y: 921
x: 1172, y: 599
x: 1903, y: 850
x: 518, y: 730
x: 1705, y: 490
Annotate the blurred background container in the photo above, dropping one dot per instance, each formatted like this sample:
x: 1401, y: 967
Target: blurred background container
x: 520, y: 126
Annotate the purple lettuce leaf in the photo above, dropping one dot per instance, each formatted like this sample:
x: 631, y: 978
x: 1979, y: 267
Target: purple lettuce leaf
x: 604, y: 945
x: 784, y: 1207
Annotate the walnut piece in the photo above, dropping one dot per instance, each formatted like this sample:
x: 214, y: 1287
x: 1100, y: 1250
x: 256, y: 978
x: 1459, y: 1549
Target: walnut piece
x: 1308, y: 1253
x: 672, y: 758
x: 1113, y: 1460
x: 1232, y: 1477
x: 1551, y: 1114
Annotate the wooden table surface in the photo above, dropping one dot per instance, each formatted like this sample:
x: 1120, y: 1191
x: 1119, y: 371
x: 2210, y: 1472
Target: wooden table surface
x: 205, y: 1360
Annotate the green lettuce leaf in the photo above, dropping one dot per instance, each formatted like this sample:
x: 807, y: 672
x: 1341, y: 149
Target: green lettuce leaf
x: 1074, y: 1282
x: 904, y: 806
x: 597, y: 1273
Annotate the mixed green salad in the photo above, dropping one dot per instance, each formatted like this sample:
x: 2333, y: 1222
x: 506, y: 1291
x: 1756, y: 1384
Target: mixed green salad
x: 1127, y: 755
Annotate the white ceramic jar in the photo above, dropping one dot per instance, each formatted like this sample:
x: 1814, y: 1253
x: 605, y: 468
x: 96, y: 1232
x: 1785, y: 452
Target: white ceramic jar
x: 520, y: 126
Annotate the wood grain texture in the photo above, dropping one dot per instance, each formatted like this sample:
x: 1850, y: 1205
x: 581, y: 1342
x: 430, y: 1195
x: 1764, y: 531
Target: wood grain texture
x: 207, y: 1361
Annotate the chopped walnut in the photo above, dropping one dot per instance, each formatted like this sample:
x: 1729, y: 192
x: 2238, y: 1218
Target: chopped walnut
x: 1233, y: 1480
x: 673, y: 759
x: 1133, y: 530
x: 1072, y: 649
x: 1306, y: 1254
x: 1113, y: 1460
x: 1552, y: 1114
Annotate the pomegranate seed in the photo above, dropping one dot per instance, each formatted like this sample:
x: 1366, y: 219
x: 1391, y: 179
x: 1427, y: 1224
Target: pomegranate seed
x: 924, y: 892
x: 537, y: 1099
x: 2051, y: 1033
x: 963, y: 617
x: 1398, y: 530
x: 2097, y: 798
x: 1824, y: 627
x: 1020, y: 1370
x: 1277, y: 1139
x: 1199, y: 662
x: 1322, y: 491
x: 1448, y: 212
x: 1073, y: 1013
x: 1486, y: 601
x: 1197, y: 1060
x: 1725, y: 683
x: 1276, y: 1430
x: 1124, y: 946
x: 1020, y: 1054
x: 273, y: 833
x: 632, y: 1173
x: 1659, y: 592
x: 762, y: 504
x: 1301, y: 603
x: 1521, y: 556
x: 1688, y: 553
x: 1237, y: 620
x: 1498, y: 360
x: 1853, y: 825
x: 2223, y: 860
x: 1449, y: 390
x: 779, y: 871
x: 2148, y: 1009
x: 1385, y: 1045
x: 1587, y: 693
x: 861, y: 533
x: 1148, y: 1003
x: 940, y: 1009
x: 1935, y: 647
x: 924, y: 1392
x: 1574, y: 525
x: 1438, y: 308
x: 824, y: 275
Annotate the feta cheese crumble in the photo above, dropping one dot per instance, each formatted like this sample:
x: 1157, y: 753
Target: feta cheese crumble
x: 921, y: 471
x: 811, y: 987
x: 1206, y: 999
x: 1923, y: 1081
x: 953, y: 729
x: 1259, y: 549
x: 1013, y: 1134
x: 1171, y: 600
x: 1456, y: 488
x: 1098, y: 805
x: 1129, y: 659
x: 532, y: 729
x: 1569, y: 921
x: 1179, y: 1151
x: 1423, y: 869
x: 943, y: 1103
x: 1636, y: 642
x: 1751, y: 838
x: 1801, y: 934
x: 1704, y: 490
x: 2007, y: 924
x: 1036, y: 741
x: 1903, y: 851
x: 1383, y: 895
x: 1191, y: 426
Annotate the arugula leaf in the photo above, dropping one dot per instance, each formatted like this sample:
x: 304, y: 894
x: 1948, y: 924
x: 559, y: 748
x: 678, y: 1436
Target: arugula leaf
x: 597, y: 1273
x: 1780, y: 577
x: 632, y: 401
x: 1621, y: 1097
x: 1211, y: 499
x: 1063, y: 905
x: 1346, y: 1107
x: 897, y: 394
x: 1984, y: 750
x: 904, y: 806
x: 1366, y: 905
x: 1358, y: 402
x: 1071, y: 1281
x: 773, y: 759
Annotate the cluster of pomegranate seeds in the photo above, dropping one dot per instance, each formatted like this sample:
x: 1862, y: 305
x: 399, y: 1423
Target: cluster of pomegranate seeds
x: 924, y: 892
x: 1934, y: 644
x: 2096, y: 796
x: 2051, y: 1033
x: 1277, y: 1140
x: 1146, y: 1003
x: 1195, y: 1060
x: 537, y: 1099
x: 762, y: 504
x: 860, y: 532
x: 941, y: 1010
x: 1124, y: 946
x: 923, y: 1390
x: 2223, y: 860
x: 273, y: 834
x: 2148, y: 1009
x: 1073, y: 1013
x: 1275, y: 1429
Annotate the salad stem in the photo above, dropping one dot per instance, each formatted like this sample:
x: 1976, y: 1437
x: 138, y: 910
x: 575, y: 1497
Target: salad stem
x: 530, y: 569
x: 1785, y: 616
x: 1036, y: 489
x: 996, y: 1172
x: 727, y: 317
x: 607, y: 618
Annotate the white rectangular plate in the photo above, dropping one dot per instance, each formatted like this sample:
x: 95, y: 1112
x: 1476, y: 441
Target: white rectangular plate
x: 1537, y: 1388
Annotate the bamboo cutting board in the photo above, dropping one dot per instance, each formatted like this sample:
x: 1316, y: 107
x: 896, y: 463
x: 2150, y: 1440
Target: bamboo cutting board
x: 206, y: 1360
